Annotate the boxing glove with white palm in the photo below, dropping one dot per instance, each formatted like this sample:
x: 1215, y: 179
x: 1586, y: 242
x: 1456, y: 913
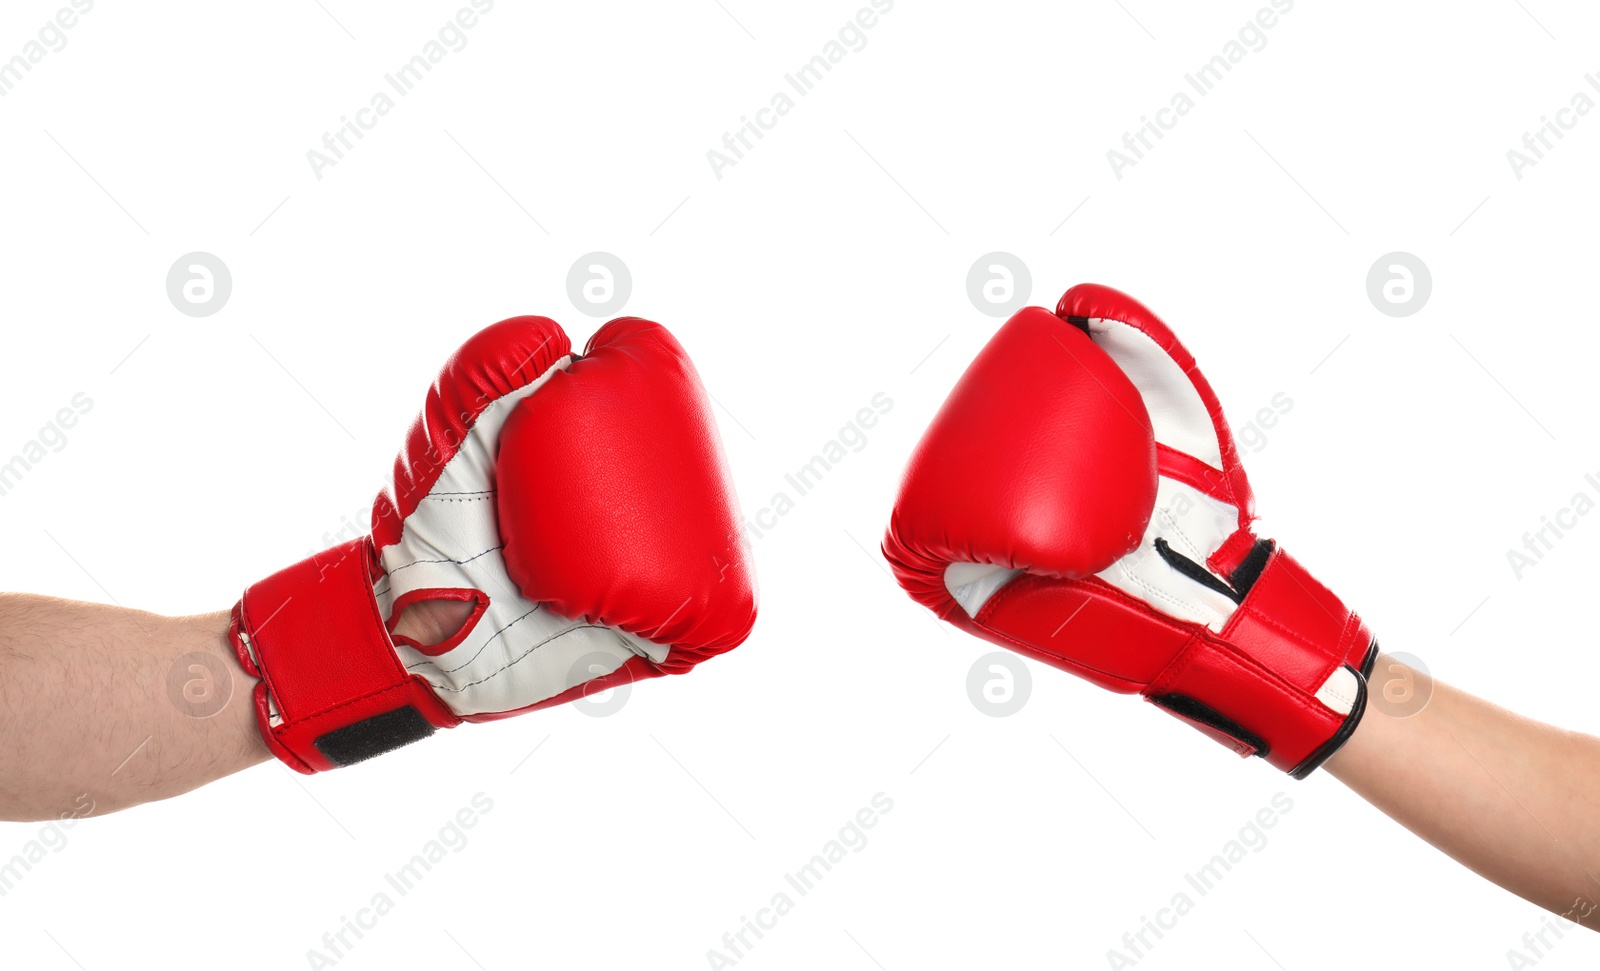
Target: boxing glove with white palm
x: 572, y: 513
x: 1079, y: 499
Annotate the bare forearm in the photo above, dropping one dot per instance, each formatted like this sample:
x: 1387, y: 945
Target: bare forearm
x: 1506, y: 796
x: 102, y: 708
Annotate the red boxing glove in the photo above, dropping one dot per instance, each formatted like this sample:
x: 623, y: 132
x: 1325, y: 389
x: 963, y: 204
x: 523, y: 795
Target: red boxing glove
x: 580, y: 505
x: 1079, y: 499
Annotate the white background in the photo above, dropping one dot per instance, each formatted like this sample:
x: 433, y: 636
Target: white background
x: 827, y: 266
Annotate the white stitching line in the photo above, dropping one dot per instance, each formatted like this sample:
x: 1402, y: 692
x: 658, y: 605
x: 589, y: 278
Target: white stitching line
x: 1194, y: 550
x: 433, y: 662
x: 1155, y: 591
x: 523, y: 656
x: 1331, y: 690
x: 464, y: 562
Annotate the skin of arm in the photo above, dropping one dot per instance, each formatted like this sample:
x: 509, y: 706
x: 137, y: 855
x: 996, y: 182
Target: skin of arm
x: 103, y: 708
x: 87, y: 723
x: 1512, y: 799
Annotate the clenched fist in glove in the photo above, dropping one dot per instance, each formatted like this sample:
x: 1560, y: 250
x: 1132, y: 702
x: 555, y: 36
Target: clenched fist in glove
x: 1079, y: 499
x: 577, y: 511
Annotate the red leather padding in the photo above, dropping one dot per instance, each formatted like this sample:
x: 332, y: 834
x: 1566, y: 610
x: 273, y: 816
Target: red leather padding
x: 1087, y: 627
x: 318, y: 645
x: 1287, y: 716
x: 492, y: 363
x: 1295, y: 626
x: 1041, y: 459
x: 616, y: 505
x: 1261, y: 672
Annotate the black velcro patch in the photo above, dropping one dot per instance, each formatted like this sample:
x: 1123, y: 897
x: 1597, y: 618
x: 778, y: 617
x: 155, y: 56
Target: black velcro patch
x: 1249, y: 571
x: 374, y: 736
x: 1204, y: 714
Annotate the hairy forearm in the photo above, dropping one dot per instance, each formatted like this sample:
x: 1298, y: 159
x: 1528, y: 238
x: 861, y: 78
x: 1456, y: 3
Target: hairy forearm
x: 102, y: 708
x: 1511, y: 798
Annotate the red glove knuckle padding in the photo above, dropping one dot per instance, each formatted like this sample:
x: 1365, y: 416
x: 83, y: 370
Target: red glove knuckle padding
x: 644, y: 546
x: 998, y: 477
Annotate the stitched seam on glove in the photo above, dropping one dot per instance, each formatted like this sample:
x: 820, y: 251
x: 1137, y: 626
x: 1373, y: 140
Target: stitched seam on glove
x: 1195, y: 552
x: 1101, y: 589
x: 464, y: 562
x: 1347, y: 637
x: 1349, y: 700
x: 1065, y: 663
x: 303, y: 719
x: 1323, y: 607
x: 364, y: 585
x: 1287, y: 632
x: 1181, y: 661
x: 1157, y: 592
x: 283, y: 750
x: 1007, y: 591
x: 485, y: 645
x: 1244, y: 665
x: 529, y: 653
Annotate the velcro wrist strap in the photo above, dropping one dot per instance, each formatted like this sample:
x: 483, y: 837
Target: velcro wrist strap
x: 332, y: 690
x: 1267, y: 683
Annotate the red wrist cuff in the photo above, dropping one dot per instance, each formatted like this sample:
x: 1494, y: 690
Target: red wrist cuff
x: 332, y: 690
